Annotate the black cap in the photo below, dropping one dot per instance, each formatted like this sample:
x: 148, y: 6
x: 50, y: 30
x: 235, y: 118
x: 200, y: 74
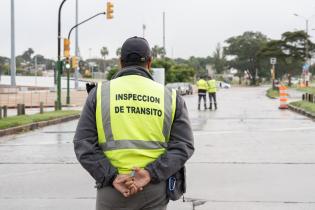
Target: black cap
x: 135, y: 50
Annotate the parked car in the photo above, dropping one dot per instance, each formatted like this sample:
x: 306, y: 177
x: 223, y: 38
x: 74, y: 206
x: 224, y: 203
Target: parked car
x: 175, y: 86
x: 222, y: 84
x: 295, y: 81
x: 188, y: 88
x: 182, y: 88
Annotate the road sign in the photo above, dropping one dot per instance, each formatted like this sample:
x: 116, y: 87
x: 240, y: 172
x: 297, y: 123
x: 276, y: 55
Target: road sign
x: 306, y: 67
x: 273, y: 61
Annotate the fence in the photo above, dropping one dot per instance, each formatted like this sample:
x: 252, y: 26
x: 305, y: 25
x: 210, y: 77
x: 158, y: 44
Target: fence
x: 32, y: 99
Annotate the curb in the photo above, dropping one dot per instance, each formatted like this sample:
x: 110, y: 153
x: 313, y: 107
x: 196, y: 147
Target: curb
x: 302, y: 111
x: 36, y: 125
x: 271, y: 97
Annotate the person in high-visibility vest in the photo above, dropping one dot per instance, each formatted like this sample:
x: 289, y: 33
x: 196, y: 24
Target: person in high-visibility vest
x: 212, y: 90
x: 202, y: 87
x: 134, y: 136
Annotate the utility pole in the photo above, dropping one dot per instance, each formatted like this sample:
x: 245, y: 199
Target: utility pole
x: 306, y: 41
x: 307, y: 60
x: 12, y: 63
x: 164, y: 31
x: 35, y: 60
x: 76, y: 74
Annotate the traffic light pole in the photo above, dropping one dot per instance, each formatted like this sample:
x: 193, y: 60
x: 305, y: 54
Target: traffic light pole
x: 59, y: 62
x: 101, y: 13
x: 68, y: 86
x: 68, y: 69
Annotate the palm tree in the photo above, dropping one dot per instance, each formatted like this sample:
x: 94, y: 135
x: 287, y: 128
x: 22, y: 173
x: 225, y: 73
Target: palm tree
x: 104, y: 53
x: 158, y: 52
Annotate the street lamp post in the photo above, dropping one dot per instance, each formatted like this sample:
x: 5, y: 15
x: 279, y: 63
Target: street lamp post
x: 76, y: 71
x: 306, y: 41
x: 143, y: 30
x: 306, y: 31
x: 59, y: 62
x: 12, y: 62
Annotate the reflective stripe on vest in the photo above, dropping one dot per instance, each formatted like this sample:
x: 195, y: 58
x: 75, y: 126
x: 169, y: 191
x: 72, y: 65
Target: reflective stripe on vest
x: 127, y: 120
x: 212, y: 88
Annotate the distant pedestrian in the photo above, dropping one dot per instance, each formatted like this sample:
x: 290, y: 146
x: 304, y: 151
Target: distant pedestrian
x: 202, y: 92
x: 212, y: 90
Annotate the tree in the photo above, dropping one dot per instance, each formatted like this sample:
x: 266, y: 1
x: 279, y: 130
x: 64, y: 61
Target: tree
x: 218, y: 59
x: 165, y: 63
x: 40, y: 59
x: 158, y: 52
x: 27, y: 55
x: 290, y: 52
x: 111, y: 73
x: 174, y: 72
x: 181, y: 73
x: 118, y: 52
x: 104, y: 53
x: 4, y: 65
x: 244, y: 50
x: 199, y: 65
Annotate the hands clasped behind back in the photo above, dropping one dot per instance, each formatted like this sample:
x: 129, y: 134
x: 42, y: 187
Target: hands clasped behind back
x: 129, y: 185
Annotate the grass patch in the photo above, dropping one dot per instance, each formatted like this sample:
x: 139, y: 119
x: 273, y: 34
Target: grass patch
x: 307, y: 106
x: 28, y: 119
x: 271, y: 93
x: 310, y: 90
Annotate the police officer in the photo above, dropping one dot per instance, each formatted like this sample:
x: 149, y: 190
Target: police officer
x: 133, y: 134
x: 212, y: 89
x: 202, y: 92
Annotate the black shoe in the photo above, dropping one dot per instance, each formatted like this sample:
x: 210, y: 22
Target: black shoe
x: 215, y: 106
x: 198, y: 107
x: 210, y: 107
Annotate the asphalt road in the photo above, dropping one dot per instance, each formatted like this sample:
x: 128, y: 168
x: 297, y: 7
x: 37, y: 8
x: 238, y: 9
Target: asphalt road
x: 249, y: 155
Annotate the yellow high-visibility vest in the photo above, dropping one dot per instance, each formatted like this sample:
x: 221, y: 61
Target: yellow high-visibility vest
x: 134, y: 116
x: 202, y: 84
x: 212, y: 86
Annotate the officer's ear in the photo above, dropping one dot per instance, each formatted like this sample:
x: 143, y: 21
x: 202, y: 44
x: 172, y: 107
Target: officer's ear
x: 149, y: 63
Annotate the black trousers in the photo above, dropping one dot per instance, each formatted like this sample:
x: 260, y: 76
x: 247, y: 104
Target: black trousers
x: 214, y: 97
x: 204, y: 97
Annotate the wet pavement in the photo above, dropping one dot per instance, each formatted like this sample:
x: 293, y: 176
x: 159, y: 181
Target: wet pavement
x: 249, y: 155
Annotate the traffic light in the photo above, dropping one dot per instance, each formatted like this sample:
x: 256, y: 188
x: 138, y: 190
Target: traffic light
x: 109, y: 10
x: 74, y: 62
x: 66, y: 48
x: 67, y: 63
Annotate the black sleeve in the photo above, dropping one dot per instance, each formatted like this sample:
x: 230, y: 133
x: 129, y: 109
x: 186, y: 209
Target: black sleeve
x: 180, y: 147
x: 86, y: 147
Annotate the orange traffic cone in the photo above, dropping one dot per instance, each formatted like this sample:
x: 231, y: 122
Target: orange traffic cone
x: 283, y: 97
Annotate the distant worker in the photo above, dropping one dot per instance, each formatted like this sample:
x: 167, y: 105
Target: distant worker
x: 133, y: 135
x: 202, y: 92
x: 212, y: 90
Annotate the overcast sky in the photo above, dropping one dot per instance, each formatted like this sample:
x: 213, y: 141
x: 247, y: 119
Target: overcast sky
x: 193, y: 27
